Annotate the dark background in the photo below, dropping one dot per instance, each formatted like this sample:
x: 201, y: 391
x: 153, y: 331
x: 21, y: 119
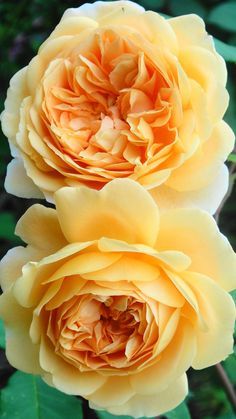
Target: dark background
x: 24, y: 24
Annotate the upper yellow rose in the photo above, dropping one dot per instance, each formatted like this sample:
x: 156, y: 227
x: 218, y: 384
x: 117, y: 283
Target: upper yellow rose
x: 113, y: 301
x: 118, y: 92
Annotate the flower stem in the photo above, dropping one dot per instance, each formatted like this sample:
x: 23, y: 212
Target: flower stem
x: 228, y: 386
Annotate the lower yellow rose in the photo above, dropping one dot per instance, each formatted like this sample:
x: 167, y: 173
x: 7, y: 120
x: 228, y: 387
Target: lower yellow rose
x: 113, y: 301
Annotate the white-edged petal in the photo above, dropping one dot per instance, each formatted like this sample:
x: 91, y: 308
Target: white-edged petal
x: 18, y: 183
x: 208, y: 198
x: 101, y: 8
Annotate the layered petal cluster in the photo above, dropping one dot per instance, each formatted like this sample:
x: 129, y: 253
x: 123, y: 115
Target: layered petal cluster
x: 118, y: 92
x: 114, y: 301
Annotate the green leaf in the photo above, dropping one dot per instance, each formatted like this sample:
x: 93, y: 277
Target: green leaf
x: 232, y: 39
x: 230, y: 367
x: 230, y: 115
x: 183, y: 7
x: 105, y: 415
x: 233, y: 293
x: 152, y: 4
x: 2, y: 335
x: 232, y: 158
x: 228, y: 52
x: 180, y: 412
x: 224, y: 16
x: 7, y: 226
x: 27, y: 396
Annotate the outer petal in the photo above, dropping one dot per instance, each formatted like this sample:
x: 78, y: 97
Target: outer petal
x: 15, y: 94
x: 12, y: 263
x: 122, y: 210
x: 155, y: 404
x: 86, y: 263
x: 190, y: 31
x: 46, y: 181
x: 101, y: 9
x: 39, y: 227
x: 201, y: 169
x: 195, y: 233
x: 122, y: 391
x: 208, y: 86
x: 72, y: 25
x: 67, y: 379
x: 28, y: 288
x: 18, y: 183
x: 20, y: 351
x: 218, y: 311
x: 177, y: 260
x: 208, y: 198
x: 126, y: 269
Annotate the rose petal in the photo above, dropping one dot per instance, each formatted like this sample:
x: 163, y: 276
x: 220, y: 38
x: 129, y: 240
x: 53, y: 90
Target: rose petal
x: 39, y: 227
x: 115, y: 215
x: 122, y: 391
x: 17, y: 323
x: 18, y: 183
x: 66, y: 377
x: 101, y: 9
x: 175, y: 360
x: 196, y: 234
x: 208, y: 198
x: 155, y: 404
x: 12, y: 263
x: 218, y: 311
x: 203, y: 166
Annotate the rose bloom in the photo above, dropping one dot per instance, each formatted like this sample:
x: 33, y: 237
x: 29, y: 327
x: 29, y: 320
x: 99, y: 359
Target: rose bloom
x: 113, y: 301
x: 118, y: 92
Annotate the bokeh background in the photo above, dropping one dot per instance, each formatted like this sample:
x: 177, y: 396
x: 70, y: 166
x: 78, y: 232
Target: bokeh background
x: 24, y: 24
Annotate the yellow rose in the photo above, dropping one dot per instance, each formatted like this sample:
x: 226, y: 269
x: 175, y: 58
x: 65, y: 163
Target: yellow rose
x: 118, y: 92
x: 113, y: 301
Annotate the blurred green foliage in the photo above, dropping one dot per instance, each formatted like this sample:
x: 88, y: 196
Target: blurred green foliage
x: 24, y: 24
x: 2, y: 335
x: 27, y: 396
